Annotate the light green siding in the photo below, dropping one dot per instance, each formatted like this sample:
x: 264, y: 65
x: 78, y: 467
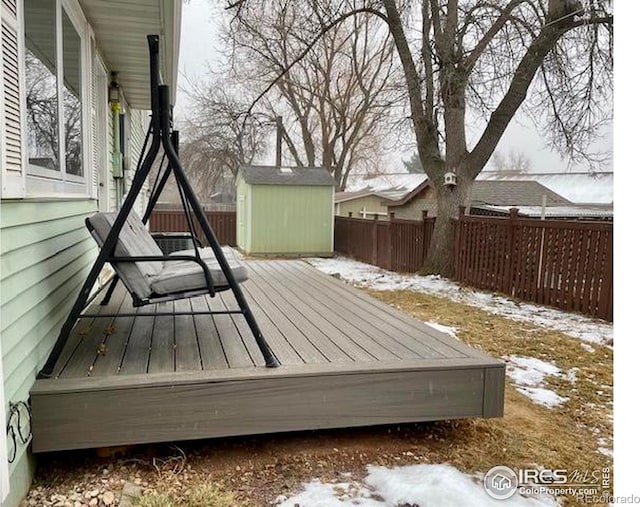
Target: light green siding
x: 45, y: 253
x: 138, y: 121
x: 286, y: 219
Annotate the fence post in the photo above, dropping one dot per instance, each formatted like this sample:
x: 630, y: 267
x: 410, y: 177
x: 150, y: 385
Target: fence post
x: 508, y: 284
x: 392, y: 240
x: 426, y: 237
x: 374, y: 240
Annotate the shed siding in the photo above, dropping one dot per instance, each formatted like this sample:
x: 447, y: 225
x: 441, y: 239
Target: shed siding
x: 45, y: 254
x: 277, y: 227
x: 241, y: 215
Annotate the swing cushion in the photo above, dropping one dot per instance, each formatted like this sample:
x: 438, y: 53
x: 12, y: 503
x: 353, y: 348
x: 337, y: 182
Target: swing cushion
x: 176, y: 275
x: 145, y: 278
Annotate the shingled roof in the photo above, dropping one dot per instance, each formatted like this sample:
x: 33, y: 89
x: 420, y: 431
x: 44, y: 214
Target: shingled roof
x: 272, y: 175
x: 514, y: 193
x: 500, y: 193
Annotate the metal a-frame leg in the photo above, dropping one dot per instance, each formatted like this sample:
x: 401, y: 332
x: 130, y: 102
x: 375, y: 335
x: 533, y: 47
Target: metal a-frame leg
x: 110, y: 290
x: 270, y: 359
x: 110, y: 242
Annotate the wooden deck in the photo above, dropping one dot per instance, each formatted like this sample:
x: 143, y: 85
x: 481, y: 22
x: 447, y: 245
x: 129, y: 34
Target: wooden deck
x: 347, y: 360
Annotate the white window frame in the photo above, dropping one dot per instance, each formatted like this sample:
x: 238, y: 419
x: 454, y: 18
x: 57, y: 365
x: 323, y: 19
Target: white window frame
x: 101, y: 119
x: 42, y: 182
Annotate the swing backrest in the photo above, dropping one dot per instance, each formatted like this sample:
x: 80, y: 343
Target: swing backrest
x: 134, y: 241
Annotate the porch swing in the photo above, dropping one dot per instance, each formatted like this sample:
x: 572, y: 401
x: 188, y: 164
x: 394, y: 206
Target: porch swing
x: 149, y: 275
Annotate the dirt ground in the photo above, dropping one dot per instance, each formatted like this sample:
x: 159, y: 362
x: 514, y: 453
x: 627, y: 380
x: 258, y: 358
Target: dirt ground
x: 255, y: 471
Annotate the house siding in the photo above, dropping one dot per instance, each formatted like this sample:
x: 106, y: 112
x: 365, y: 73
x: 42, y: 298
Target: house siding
x: 138, y: 122
x: 45, y: 255
x: 371, y: 203
x: 414, y: 208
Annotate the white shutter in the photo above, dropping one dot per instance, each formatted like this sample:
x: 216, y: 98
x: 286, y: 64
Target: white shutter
x: 11, y: 93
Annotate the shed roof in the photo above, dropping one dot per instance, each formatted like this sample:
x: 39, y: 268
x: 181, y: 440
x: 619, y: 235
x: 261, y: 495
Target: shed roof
x: 273, y: 175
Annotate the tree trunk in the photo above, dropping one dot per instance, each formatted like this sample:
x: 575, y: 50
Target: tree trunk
x: 440, y: 257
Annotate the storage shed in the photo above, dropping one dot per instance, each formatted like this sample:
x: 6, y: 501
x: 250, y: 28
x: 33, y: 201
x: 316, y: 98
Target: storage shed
x: 285, y: 210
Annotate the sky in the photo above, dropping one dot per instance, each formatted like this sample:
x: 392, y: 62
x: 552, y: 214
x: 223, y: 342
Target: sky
x: 199, y: 48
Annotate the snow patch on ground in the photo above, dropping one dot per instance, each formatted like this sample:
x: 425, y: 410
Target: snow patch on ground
x: 605, y: 446
x: 451, y: 331
x: 588, y: 347
x: 575, y: 325
x: 438, y: 485
x: 528, y: 376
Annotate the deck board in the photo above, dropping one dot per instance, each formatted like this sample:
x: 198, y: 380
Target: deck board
x: 347, y: 360
x: 401, y: 342
x: 186, y: 339
x: 162, y: 357
x: 334, y: 326
x: 114, y: 344
x: 389, y: 315
x: 385, y: 346
x: 309, y: 342
x: 212, y: 354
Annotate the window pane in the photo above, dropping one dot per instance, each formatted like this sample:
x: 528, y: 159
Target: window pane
x: 41, y: 81
x: 72, y: 64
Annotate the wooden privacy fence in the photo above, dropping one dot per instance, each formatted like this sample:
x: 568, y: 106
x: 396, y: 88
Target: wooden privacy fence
x: 222, y: 222
x: 566, y: 264
x: 398, y: 245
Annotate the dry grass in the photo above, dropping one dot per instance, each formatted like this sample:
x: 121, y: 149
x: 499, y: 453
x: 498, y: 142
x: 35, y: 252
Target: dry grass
x: 563, y: 437
x: 203, y: 495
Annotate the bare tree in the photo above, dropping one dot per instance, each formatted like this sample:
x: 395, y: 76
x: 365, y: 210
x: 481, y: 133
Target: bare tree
x: 217, y: 140
x: 338, y: 102
x: 515, y: 161
x: 487, y: 56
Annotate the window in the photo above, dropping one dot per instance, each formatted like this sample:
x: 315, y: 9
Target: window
x: 54, y: 66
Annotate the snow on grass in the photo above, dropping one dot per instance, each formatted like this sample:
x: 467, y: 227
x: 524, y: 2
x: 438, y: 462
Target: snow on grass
x: 542, y: 396
x: 528, y: 376
x: 438, y: 485
x: 588, y: 348
x: 575, y: 325
x: 605, y: 445
x: 451, y: 331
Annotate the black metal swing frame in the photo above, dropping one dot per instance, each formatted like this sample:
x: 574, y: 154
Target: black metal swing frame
x: 161, y: 135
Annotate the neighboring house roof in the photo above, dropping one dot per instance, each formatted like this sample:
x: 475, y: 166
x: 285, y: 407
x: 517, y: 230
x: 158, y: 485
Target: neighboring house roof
x: 350, y: 196
x: 272, y: 175
x: 396, y: 185
x: 514, y: 193
x: 554, y: 211
x: 579, y: 188
x: 500, y: 193
x: 121, y: 33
